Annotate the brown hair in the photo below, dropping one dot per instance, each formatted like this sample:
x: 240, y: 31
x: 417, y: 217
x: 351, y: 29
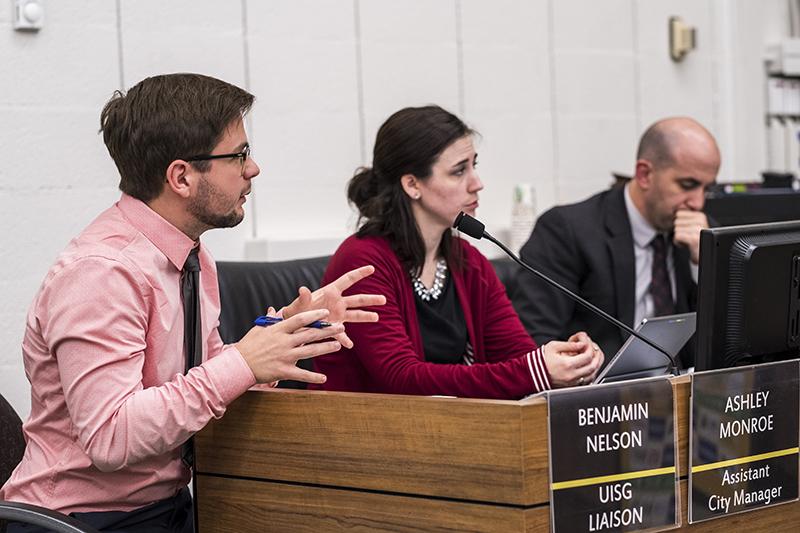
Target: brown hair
x: 164, y: 118
x: 409, y: 142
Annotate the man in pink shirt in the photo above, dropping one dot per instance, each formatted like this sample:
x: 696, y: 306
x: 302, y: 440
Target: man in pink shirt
x: 112, y: 402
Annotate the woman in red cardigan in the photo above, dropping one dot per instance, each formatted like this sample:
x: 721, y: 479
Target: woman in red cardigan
x: 447, y: 326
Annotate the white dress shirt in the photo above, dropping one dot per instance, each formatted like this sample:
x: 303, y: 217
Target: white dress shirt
x: 643, y: 233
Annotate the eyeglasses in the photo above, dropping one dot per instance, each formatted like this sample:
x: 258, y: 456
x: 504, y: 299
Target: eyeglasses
x: 243, y: 155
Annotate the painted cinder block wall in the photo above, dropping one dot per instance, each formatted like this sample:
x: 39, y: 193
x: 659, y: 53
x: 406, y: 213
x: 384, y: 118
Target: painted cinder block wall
x: 559, y: 89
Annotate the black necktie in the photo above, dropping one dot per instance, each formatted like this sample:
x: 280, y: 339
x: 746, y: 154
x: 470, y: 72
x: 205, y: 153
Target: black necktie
x: 660, y: 285
x: 190, y: 289
x: 192, y: 335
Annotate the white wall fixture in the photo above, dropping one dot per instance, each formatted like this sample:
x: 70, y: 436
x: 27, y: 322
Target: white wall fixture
x: 682, y: 39
x: 784, y: 57
x: 28, y: 15
x: 782, y: 68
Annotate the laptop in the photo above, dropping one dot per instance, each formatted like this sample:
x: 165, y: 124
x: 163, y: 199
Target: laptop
x: 637, y: 359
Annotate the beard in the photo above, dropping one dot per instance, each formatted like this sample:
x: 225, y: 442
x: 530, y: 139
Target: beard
x: 662, y: 220
x: 665, y: 223
x: 211, y: 207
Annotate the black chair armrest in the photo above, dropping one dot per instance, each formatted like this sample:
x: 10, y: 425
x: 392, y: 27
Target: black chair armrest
x: 39, y: 516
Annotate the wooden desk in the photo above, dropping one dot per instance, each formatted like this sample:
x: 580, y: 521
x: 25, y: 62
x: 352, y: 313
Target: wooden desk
x: 288, y: 460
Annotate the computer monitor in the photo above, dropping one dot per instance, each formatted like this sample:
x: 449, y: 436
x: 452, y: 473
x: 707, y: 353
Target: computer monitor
x: 748, y: 304
x: 755, y: 206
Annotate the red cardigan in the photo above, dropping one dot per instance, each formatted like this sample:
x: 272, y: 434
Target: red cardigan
x: 388, y: 355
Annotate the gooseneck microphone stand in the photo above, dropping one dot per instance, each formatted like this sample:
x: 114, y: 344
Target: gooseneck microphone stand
x: 476, y: 229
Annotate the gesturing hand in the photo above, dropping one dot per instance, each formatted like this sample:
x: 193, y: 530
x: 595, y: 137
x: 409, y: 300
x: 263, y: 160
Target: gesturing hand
x: 272, y: 352
x: 341, y: 308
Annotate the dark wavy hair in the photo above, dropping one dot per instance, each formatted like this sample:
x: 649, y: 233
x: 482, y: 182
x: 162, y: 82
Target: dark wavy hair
x: 164, y: 118
x: 409, y: 142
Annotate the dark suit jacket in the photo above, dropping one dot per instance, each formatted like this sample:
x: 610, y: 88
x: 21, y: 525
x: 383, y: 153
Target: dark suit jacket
x: 588, y: 247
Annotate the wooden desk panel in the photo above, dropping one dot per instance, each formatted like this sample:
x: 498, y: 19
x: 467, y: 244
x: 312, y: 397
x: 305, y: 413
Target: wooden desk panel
x: 320, y: 461
x: 447, y: 447
x: 242, y: 506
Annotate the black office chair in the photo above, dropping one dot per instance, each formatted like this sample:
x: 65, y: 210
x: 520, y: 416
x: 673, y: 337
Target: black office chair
x: 12, y: 444
x: 12, y: 447
x: 246, y: 288
x: 507, y: 272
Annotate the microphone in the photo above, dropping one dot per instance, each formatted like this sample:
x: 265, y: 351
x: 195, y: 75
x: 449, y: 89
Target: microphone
x: 476, y: 229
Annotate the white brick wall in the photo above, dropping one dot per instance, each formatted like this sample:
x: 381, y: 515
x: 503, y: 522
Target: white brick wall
x: 559, y: 89
x: 55, y: 175
x: 306, y: 121
x: 182, y: 36
x: 507, y: 99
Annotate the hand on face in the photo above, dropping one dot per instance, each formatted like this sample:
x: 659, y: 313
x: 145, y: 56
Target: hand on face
x: 687, y: 231
x: 341, y: 308
x: 574, y: 362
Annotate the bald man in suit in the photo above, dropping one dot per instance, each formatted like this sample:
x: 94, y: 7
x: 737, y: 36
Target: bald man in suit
x: 633, y: 250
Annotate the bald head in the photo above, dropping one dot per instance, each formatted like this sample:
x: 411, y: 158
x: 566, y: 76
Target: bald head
x: 668, y: 139
x: 678, y: 159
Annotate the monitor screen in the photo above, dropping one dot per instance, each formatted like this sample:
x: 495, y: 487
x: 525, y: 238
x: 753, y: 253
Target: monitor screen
x: 748, y: 302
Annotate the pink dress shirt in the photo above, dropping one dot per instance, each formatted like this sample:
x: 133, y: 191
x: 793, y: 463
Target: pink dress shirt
x: 103, y: 350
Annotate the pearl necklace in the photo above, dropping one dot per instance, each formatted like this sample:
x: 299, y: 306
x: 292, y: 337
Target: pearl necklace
x: 438, y: 283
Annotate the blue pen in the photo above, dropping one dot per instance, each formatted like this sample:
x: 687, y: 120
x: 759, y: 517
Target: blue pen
x: 270, y: 320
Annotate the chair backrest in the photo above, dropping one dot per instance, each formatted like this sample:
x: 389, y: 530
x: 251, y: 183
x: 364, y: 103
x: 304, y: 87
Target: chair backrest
x: 507, y: 271
x: 12, y: 446
x: 12, y: 443
x: 247, y: 287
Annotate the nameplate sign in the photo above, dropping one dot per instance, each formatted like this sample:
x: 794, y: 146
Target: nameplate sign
x: 743, y: 445
x: 612, y: 457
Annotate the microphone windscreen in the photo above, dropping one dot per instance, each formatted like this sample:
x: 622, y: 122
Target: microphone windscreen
x: 471, y: 226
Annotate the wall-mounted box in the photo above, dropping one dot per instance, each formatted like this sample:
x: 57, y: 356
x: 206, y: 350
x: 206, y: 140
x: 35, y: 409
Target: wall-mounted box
x: 28, y: 15
x: 784, y: 57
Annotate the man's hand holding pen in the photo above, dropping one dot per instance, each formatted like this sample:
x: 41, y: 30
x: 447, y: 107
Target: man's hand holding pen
x: 272, y: 352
